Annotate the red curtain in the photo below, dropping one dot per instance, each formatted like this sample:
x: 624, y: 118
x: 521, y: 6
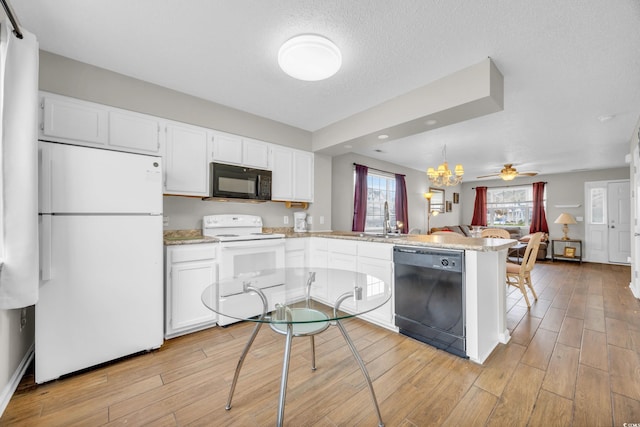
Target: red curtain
x: 480, y: 207
x: 360, y: 199
x: 539, y: 218
x: 402, y: 211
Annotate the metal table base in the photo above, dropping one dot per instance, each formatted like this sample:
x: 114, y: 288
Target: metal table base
x: 290, y: 333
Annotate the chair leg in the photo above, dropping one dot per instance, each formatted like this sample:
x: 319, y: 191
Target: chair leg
x: 524, y: 291
x: 528, y: 282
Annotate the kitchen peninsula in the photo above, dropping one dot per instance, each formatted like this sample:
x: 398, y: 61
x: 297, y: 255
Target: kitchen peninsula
x: 484, y: 273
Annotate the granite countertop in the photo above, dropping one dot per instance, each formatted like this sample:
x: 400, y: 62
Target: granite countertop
x: 186, y: 237
x: 443, y: 241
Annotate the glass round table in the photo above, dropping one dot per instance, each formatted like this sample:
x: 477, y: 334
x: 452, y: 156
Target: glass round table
x: 297, y: 302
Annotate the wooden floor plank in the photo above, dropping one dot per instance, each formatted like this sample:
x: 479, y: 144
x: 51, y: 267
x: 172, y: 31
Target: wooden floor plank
x: 571, y: 361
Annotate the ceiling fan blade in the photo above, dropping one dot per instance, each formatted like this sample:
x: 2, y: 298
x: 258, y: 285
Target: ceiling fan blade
x: 528, y: 173
x: 488, y: 176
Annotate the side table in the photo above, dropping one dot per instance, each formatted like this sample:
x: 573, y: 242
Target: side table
x: 569, y: 250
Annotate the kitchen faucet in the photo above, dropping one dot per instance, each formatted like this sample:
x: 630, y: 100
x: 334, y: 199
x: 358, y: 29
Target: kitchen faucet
x: 386, y: 226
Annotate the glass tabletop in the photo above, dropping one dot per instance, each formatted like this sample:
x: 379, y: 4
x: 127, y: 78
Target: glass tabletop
x: 297, y: 295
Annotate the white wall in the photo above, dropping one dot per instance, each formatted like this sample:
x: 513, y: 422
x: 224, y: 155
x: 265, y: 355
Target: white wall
x: 562, y: 189
x: 417, y: 185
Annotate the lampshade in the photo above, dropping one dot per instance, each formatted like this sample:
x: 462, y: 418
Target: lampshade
x: 565, y: 218
x: 309, y: 57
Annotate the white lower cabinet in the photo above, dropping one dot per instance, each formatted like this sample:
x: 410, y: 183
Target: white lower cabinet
x: 294, y: 252
x: 189, y: 269
x: 376, y: 259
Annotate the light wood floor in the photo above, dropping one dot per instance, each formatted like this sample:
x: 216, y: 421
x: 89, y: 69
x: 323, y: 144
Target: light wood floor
x: 574, y: 359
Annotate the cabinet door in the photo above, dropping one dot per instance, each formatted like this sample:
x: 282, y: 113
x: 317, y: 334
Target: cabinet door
x: 302, y: 176
x: 255, y: 153
x: 380, y: 269
x: 186, y: 161
x: 134, y: 132
x: 282, y: 178
x: 227, y: 148
x: 74, y: 121
x: 188, y: 281
x: 319, y: 257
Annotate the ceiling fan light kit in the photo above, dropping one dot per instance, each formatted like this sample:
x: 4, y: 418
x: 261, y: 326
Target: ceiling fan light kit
x: 509, y: 173
x: 442, y: 175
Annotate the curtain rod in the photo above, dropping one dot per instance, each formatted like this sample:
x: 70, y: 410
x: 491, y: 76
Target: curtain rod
x: 507, y: 186
x: 378, y: 170
x: 12, y: 17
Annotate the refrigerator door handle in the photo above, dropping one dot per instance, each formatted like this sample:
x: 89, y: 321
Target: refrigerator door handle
x: 45, y: 247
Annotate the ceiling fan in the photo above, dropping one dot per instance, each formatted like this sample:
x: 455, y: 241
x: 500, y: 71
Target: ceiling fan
x: 509, y: 172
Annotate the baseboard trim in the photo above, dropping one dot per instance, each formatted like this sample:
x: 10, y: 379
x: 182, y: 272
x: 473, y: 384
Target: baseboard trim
x: 11, y: 387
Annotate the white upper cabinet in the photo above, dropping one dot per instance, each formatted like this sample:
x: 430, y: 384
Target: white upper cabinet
x: 85, y: 123
x: 134, y: 132
x: 69, y: 120
x: 282, y: 175
x: 236, y: 150
x: 186, y: 160
x: 255, y: 153
x: 292, y: 178
x: 226, y: 148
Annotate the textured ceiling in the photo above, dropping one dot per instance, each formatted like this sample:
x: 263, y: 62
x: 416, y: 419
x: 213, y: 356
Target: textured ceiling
x: 565, y: 63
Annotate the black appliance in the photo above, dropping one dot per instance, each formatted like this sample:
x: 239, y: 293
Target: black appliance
x: 430, y: 296
x: 238, y: 182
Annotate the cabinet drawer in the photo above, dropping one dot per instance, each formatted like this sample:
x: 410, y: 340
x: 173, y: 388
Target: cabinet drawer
x: 193, y: 252
x: 347, y: 247
x: 383, y: 251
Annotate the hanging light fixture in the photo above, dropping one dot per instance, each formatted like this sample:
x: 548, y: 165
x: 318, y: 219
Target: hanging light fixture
x: 442, y: 175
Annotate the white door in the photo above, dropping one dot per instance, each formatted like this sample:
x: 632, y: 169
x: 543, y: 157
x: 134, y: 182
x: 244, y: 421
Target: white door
x: 607, y: 222
x: 619, y: 222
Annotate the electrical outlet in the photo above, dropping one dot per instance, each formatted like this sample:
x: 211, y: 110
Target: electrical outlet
x: 165, y: 221
x: 286, y: 220
x: 321, y: 219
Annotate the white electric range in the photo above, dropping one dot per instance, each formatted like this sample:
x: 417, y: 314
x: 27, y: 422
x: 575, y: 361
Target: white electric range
x: 245, y: 250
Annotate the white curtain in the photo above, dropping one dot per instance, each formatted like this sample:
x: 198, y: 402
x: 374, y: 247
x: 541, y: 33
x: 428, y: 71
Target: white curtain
x: 18, y: 168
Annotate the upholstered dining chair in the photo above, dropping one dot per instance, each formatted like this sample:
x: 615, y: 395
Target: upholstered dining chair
x: 499, y: 233
x: 519, y: 275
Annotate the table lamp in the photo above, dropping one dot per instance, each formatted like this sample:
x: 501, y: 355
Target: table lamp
x: 565, y: 219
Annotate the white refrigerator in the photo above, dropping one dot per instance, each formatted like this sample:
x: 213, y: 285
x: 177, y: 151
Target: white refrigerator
x: 101, y: 265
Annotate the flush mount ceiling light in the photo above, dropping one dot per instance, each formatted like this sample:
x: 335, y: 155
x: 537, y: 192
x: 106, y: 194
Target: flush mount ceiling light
x: 309, y: 57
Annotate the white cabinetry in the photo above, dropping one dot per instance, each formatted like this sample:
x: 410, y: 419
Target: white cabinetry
x: 233, y: 149
x: 292, y: 174
x: 85, y: 123
x: 134, y: 132
x: 70, y: 120
x: 189, y: 270
x: 186, y: 160
x: 372, y: 258
x: 294, y: 255
x: 319, y: 257
x: 376, y: 259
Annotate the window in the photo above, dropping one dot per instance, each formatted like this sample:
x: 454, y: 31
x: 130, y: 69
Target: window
x: 380, y: 188
x: 511, y: 206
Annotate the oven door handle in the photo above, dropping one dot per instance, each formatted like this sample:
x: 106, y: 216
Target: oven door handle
x: 276, y: 243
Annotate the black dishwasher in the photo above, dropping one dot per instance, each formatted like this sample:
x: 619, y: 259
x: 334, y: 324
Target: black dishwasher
x: 429, y: 296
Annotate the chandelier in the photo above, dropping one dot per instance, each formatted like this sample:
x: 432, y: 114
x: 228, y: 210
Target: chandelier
x: 443, y: 176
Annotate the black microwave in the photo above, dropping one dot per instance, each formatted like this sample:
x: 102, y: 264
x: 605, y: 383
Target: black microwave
x: 238, y: 182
